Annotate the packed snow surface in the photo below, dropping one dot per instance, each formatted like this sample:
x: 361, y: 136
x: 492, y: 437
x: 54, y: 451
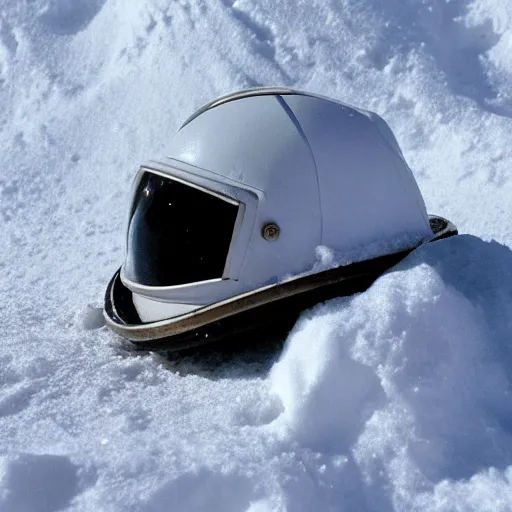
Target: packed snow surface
x: 396, y: 399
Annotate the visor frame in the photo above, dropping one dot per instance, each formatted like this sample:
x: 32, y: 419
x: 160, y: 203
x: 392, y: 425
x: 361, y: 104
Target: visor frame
x: 247, y: 200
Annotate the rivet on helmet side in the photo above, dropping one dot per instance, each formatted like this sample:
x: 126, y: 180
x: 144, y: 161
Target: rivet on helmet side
x: 270, y: 231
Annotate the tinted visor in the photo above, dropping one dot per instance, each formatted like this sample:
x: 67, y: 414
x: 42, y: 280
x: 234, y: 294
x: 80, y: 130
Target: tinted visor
x: 177, y: 233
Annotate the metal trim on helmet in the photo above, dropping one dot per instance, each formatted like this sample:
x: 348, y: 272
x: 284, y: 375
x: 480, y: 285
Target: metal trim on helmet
x: 259, y: 91
x: 246, y: 93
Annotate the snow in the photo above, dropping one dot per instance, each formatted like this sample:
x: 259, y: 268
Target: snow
x: 409, y: 378
x: 396, y: 399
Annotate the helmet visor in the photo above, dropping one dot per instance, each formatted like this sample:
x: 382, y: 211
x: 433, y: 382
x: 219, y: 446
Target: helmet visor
x: 177, y: 234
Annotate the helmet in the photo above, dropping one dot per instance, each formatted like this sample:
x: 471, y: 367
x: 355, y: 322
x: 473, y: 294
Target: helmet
x: 251, y: 185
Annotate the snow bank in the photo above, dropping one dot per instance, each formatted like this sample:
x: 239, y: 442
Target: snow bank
x: 411, y: 381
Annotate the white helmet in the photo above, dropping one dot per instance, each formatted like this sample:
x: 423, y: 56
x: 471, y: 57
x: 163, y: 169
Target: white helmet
x: 253, y: 183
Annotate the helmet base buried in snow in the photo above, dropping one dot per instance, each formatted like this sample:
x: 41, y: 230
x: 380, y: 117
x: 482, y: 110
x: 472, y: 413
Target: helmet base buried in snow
x: 273, y: 309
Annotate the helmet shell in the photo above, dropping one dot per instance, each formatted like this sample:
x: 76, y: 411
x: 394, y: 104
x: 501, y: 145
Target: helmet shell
x: 324, y: 172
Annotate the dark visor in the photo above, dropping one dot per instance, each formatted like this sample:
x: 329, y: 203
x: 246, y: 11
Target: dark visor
x: 177, y: 234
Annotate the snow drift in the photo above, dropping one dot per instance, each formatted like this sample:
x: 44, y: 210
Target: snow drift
x: 411, y: 380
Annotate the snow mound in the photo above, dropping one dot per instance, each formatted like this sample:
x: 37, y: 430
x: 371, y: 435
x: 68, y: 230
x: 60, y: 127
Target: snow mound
x: 411, y: 380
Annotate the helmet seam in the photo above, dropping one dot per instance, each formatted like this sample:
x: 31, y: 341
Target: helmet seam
x: 303, y: 135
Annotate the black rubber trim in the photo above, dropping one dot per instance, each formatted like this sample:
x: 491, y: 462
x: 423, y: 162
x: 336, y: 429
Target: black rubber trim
x: 119, y: 305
